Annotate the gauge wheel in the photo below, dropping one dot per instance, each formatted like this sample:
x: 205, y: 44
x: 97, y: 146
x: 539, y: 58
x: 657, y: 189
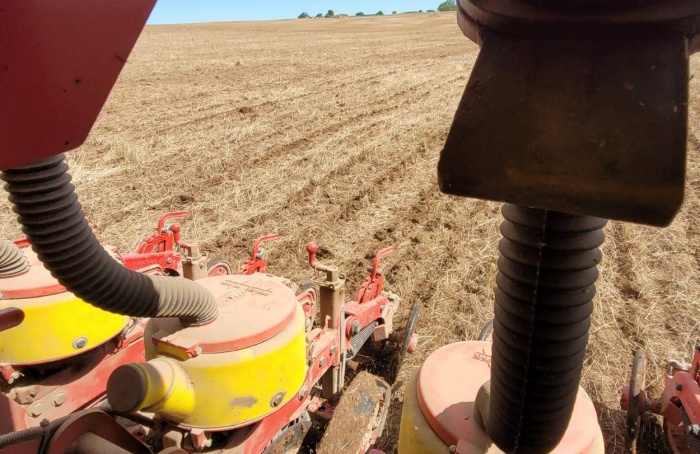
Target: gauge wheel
x: 218, y: 267
x: 637, y: 400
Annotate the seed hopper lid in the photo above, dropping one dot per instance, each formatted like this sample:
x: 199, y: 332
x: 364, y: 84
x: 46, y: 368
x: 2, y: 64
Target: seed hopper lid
x: 447, y: 386
x: 252, y: 309
x: 37, y: 281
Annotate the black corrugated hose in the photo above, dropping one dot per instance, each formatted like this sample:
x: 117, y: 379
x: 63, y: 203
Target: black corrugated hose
x: 53, y: 221
x: 693, y: 440
x: 546, y: 283
x: 12, y: 259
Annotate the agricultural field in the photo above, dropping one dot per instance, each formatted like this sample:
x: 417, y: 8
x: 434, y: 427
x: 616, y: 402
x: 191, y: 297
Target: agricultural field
x: 330, y: 130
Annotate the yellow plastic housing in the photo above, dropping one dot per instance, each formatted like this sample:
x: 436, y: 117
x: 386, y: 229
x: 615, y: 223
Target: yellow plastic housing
x: 56, y: 327
x: 228, y: 389
x: 415, y: 434
x: 166, y: 388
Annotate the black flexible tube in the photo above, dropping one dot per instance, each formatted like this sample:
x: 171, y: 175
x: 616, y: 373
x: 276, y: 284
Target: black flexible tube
x: 12, y: 260
x: 15, y: 438
x: 53, y: 221
x: 546, y: 283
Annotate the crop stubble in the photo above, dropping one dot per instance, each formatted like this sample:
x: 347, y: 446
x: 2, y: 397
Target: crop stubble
x: 329, y: 130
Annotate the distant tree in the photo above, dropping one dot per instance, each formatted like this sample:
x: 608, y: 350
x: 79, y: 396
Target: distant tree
x: 330, y: 13
x: 380, y: 13
x: 448, y: 5
x: 394, y: 12
x: 360, y: 14
x: 420, y: 10
x: 430, y: 11
x: 319, y: 15
x: 304, y: 16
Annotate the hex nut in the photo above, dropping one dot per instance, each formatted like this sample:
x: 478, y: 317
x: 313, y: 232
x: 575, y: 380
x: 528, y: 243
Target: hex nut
x: 36, y: 410
x: 277, y: 399
x: 59, y: 399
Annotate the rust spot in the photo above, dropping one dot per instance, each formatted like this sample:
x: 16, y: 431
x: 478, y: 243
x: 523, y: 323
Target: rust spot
x: 246, y: 402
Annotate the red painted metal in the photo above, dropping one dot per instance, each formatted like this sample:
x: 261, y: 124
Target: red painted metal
x: 163, y: 239
x: 447, y: 386
x: 364, y: 313
x: 325, y: 348
x: 312, y: 249
x: 73, y: 388
x: 58, y: 63
x: 307, y: 300
x: 158, y: 249
x: 681, y: 390
x: 374, y: 283
x: 257, y: 263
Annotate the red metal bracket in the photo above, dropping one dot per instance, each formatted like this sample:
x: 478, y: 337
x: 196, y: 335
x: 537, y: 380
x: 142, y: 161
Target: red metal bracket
x: 164, y: 239
x: 374, y: 284
x: 257, y: 263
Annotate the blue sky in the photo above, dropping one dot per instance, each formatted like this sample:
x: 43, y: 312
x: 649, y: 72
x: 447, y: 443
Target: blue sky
x: 186, y: 11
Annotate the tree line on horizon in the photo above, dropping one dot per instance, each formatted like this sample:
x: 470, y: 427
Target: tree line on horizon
x: 447, y: 5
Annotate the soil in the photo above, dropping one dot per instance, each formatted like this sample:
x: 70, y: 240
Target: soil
x: 329, y: 130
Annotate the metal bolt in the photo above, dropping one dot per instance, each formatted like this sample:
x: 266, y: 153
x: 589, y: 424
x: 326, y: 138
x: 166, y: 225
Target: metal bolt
x: 36, y: 410
x: 303, y: 392
x: 322, y: 362
x: 453, y: 448
x: 33, y: 391
x: 277, y: 399
x: 59, y: 399
x: 355, y: 327
x: 679, y: 387
x: 169, y: 260
x: 333, y: 350
x: 197, y: 351
x: 80, y: 342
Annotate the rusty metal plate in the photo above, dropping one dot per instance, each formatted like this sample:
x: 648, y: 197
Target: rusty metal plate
x: 591, y: 126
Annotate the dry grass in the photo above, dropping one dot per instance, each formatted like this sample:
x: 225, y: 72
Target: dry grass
x: 329, y: 130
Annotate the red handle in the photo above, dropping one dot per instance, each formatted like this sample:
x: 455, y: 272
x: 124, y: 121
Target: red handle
x: 172, y: 215
x: 377, y: 258
x: 261, y: 240
x: 312, y: 248
x: 10, y: 317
